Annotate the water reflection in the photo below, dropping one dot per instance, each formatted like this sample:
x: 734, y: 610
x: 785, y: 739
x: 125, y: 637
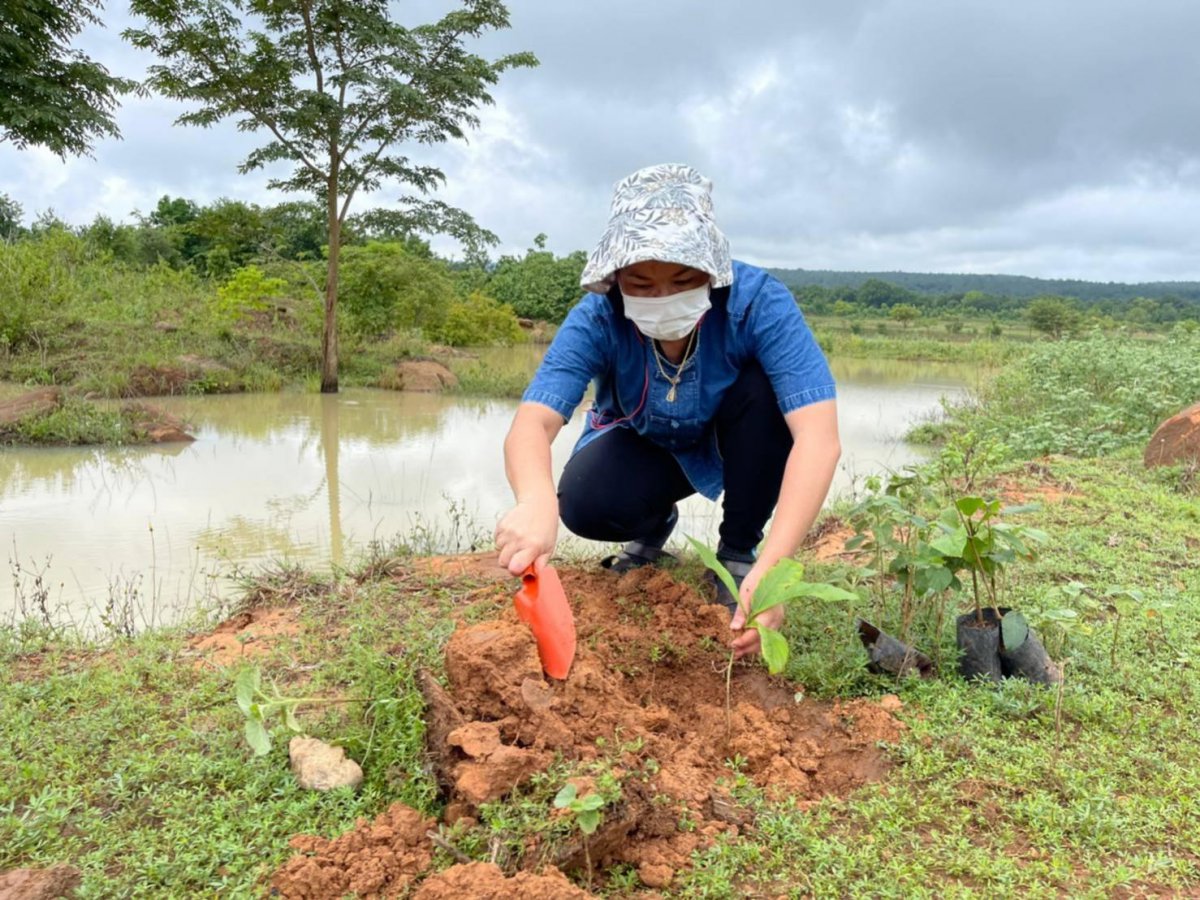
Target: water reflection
x: 311, y: 478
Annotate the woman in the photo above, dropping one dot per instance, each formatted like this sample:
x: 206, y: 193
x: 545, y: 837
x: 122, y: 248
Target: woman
x: 707, y: 379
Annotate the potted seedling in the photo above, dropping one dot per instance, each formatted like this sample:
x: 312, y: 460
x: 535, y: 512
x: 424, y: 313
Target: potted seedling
x: 995, y: 640
x: 783, y: 583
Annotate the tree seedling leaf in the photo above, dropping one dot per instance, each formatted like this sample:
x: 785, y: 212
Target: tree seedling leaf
x: 774, y: 648
x: 257, y: 737
x: 589, y: 821
x: 1014, y: 630
x: 968, y: 506
x: 564, y: 797
x: 289, y: 718
x: 826, y: 592
x: 953, y: 544
x: 245, y: 686
x: 710, y: 559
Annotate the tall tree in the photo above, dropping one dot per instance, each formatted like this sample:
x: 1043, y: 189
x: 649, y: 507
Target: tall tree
x: 338, y: 86
x: 51, y: 95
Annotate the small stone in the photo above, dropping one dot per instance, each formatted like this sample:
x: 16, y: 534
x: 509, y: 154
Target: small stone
x: 891, y: 702
x: 320, y: 767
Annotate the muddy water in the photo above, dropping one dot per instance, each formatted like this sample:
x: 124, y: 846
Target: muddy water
x: 151, y: 532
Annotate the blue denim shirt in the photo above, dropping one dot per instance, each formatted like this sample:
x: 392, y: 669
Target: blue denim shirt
x: 759, y: 321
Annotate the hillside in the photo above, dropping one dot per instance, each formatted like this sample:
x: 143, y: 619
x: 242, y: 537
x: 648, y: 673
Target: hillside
x: 1018, y: 286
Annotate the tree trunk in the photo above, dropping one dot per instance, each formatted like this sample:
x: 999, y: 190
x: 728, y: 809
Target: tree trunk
x: 329, y: 338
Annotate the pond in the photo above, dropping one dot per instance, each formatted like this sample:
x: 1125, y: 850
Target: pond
x: 149, y: 533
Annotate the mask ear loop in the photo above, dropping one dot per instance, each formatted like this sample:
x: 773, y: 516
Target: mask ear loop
x: 594, y: 418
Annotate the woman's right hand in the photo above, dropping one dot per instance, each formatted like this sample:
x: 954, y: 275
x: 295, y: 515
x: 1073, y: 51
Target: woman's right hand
x: 528, y: 532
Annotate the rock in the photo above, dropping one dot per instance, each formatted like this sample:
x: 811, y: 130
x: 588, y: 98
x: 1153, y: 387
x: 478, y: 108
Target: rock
x: 159, y: 427
x: 36, y: 403
x: 320, y: 767
x: 39, y: 884
x: 1177, y: 440
x: 423, y: 375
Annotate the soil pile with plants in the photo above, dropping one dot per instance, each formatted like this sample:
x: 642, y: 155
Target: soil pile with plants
x: 645, y: 704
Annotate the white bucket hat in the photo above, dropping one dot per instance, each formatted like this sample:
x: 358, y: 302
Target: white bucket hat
x: 663, y: 213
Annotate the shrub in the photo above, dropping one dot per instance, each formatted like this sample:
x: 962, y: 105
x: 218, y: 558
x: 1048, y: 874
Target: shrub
x: 477, y: 321
x: 248, y: 291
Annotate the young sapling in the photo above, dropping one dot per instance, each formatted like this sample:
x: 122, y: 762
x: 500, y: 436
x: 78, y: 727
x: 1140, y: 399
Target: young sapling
x: 783, y: 583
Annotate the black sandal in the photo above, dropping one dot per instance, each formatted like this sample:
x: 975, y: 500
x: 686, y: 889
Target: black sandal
x: 634, y: 555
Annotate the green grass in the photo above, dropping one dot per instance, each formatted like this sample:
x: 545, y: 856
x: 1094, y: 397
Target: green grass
x: 129, y: 762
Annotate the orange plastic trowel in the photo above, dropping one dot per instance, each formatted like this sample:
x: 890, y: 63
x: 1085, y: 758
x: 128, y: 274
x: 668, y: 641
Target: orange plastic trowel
x: 542, y: 605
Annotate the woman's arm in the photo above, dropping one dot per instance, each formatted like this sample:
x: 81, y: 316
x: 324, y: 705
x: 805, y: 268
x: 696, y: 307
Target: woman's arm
x: 529, y: 530
x: 810, y: 467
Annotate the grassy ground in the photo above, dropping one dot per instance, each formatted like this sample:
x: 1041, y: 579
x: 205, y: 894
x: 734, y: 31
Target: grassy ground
x: 127, y: 760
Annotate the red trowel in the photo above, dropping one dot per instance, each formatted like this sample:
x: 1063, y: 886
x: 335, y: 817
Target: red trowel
x: 542, y: 605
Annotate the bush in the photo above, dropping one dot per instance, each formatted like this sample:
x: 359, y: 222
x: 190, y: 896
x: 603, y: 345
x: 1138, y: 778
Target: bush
x: 384, y: 287
x: 478, y: 321
x: 248, y: 291
x: 1088, y: 397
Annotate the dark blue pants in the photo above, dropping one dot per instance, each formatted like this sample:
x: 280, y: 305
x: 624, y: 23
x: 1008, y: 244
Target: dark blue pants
x: 621, y: 486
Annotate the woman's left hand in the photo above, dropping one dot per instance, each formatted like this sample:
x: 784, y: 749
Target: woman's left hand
x: 747, y: 642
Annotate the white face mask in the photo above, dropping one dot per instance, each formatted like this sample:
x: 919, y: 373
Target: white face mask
x: 668, y: 318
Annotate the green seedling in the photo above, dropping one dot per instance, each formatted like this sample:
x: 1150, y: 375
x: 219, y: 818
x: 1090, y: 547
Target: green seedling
x: 973, y: 538
x: 586, y: 813
x: 260, y: 707
x: 1128, y: 602
x: 783, y: 583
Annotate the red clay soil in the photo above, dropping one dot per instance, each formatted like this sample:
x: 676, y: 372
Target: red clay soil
x: 485, y: 881
x: 650, y: 666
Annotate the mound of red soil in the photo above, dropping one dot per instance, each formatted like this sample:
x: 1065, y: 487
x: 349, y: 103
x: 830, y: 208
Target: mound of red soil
x: 375, y: 859
x: 650, y: 673
x: 484, y: 881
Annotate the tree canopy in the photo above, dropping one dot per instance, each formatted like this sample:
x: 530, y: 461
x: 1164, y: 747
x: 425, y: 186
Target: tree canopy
x: 50, y: 94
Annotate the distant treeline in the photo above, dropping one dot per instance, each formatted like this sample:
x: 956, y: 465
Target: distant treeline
x: 1002, y: 296
x: 1019, y: 286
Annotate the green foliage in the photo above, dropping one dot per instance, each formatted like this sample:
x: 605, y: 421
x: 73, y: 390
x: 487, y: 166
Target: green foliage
x: 783, y: 583
x: 10, y: 218
x: 385, y: 287
x: 477, y: 321
x: 539, y: 285
x: 260, y: 706
x: 974, y: 539
x: 50, y: 94
x: 586, y: 810
x: 76, y: 422
x: 1053, y: 316
x: 1088, y: 397
x: 904, y: 313
x: 246, y: 292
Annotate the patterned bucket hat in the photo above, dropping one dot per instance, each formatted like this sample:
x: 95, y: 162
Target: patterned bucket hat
x: 664, y: 213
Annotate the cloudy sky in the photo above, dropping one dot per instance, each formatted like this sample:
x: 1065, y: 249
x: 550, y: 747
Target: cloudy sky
x: 1058, y: 139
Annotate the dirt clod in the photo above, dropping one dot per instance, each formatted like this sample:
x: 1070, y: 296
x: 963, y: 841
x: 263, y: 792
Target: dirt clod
x: 39, y: 884
x: 376, y: 859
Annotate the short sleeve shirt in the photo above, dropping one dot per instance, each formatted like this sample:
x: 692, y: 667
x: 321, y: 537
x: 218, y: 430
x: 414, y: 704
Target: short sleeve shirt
x: 759, y: 321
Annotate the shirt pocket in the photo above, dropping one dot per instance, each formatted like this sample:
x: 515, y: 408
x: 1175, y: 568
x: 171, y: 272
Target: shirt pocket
x: 676, y: 432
